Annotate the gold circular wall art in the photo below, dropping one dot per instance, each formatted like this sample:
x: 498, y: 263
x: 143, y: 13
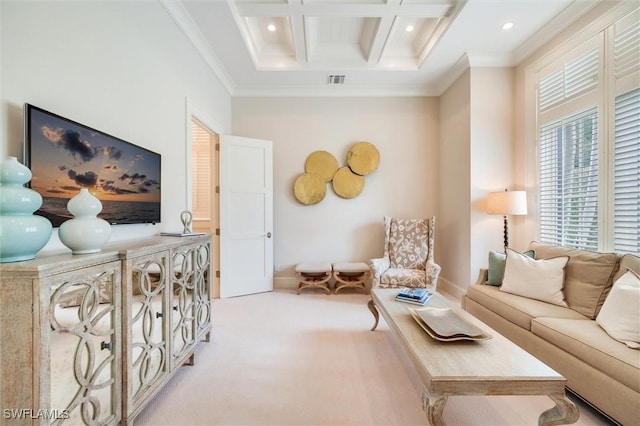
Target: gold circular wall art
x: 321, y: 163
x: 309, y: 188
x: 347, y: 184
x: 363, y: 158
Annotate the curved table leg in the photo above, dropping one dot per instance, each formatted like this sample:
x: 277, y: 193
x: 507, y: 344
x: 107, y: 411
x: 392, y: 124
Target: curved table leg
x: 433, y: 407
x: 374, y: 311
x: 563, y: 413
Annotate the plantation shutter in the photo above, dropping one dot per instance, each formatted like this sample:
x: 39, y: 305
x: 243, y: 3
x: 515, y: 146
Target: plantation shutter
x: 201, y: 172
x: 569, y: 181
x: 568, y: 151
x: 573, y: 79
x: 626, y: 199
x: 626, y: 158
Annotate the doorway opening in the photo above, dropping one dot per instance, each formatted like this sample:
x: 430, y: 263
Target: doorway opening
x: 205, y: 202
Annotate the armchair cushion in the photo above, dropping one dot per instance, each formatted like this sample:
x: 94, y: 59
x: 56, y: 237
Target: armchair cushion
x: 395, y: 277
x: 408, y: 243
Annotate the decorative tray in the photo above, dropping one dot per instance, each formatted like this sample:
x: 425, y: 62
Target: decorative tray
x: 447, y: 325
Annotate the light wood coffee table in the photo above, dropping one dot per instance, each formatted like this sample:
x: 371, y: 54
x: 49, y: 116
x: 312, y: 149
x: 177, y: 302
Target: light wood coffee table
x: 488, y: 367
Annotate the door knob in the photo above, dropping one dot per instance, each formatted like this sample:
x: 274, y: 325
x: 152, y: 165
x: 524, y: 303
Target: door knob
x: 268, y: 234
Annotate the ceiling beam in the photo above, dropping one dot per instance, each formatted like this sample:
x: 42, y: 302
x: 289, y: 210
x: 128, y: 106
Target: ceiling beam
x: 383, y: 32
x: 431, y: 10
x: 441, y: 28
x: 298, y: 30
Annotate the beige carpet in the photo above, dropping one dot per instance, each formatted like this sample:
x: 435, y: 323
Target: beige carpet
x: 284, y: 359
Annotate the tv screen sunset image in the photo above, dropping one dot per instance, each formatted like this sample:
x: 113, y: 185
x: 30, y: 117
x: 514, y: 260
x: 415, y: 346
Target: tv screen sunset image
x: 65, y: 156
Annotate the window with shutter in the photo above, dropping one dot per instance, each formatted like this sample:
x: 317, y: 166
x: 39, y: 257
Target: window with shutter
x: 626, y: 182
x: 568, y: 155
x: 573, y: 79
x: 588, y: 114
x: 569, y: 181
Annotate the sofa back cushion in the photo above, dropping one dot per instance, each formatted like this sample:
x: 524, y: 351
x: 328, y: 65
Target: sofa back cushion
x: 588, y: 276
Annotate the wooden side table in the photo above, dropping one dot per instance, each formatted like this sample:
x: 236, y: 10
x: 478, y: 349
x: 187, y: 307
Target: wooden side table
x: 314, y: 275
x: 351, y: 275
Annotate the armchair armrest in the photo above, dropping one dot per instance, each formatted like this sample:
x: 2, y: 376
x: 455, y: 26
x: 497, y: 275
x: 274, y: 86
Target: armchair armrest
x: 432, y: 272
x: 378, y: 266
x: 483, y: 275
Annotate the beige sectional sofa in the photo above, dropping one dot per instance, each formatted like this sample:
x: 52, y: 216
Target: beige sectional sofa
x: 599, y: 368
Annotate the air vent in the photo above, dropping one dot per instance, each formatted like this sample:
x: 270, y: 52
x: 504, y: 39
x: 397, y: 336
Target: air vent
x: 335, y: 79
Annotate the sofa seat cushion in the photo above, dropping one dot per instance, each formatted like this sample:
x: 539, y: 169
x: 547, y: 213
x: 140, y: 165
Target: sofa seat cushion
x: 587, y: 341
x: 517, y: 309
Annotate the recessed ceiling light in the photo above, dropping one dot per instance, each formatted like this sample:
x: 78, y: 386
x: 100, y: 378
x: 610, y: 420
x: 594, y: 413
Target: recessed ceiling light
x: 507, y: 26
x: 409, y: 28
x: 271, y: 27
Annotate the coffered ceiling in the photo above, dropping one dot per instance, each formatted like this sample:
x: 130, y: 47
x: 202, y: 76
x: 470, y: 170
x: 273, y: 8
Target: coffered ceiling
x: 363, y: 47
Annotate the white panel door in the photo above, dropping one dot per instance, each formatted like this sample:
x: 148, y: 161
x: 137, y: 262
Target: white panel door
x: 246, y: 216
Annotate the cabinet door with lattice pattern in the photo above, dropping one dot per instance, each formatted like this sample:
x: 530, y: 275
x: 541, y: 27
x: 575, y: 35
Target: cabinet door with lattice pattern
x: 146, y: 327
x: 190, y: 298
x: 84, y: 346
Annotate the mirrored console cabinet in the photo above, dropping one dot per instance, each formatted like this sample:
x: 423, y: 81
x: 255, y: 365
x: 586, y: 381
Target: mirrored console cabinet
x: 90, y: 339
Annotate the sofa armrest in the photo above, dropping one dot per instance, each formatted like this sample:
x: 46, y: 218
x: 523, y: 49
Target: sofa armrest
x: 483, y: 275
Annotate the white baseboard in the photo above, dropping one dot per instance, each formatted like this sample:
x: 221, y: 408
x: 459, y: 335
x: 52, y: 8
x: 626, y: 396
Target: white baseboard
x: 451, y: 288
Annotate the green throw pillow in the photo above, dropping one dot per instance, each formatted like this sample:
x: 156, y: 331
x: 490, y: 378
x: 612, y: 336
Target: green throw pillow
x: 496, y: 266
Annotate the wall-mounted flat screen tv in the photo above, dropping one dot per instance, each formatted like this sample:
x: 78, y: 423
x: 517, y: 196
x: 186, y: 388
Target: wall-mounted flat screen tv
x: 65, y: 156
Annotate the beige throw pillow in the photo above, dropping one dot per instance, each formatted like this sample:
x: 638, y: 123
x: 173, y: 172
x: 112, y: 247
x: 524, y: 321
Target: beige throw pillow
x: 620, y: 314
x: 541, y: 279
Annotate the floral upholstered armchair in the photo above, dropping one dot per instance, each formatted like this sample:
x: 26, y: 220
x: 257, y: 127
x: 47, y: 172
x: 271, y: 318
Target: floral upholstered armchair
x: 408, y: 255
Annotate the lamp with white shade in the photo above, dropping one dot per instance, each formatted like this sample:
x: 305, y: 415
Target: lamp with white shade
x: 506, y: 203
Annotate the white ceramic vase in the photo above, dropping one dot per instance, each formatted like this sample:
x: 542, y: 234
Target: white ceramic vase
x: 85, y: 233
x: 22, y: 234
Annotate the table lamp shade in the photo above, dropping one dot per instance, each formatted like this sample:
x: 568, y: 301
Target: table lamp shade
x: 507, y: 203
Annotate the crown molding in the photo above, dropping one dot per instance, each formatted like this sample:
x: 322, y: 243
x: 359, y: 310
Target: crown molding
x: 453, y: 74
x: 554, y: 27
x: 183, y: 20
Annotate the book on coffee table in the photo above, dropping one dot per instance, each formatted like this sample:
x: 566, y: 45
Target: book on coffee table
x: 413, y: 292
x: 424, y: 297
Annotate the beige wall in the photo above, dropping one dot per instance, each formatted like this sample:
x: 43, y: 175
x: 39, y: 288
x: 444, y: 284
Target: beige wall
x: 121, y: 67
x: 491, y: 167
x: 476, y: 135
x: 452, y: 239
x: 405, y: 131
